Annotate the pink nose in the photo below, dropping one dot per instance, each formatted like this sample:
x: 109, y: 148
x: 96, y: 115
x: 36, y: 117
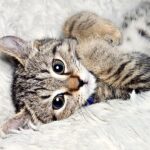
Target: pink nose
x: 73, y: 83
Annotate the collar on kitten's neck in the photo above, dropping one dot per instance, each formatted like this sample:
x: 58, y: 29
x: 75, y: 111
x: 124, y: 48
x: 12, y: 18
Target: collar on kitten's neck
x: 90, y: 100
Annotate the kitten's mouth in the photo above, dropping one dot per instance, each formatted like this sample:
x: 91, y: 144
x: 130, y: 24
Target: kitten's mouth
x: 87, y: 84
x: 87, y: 88
x: 82, y: 83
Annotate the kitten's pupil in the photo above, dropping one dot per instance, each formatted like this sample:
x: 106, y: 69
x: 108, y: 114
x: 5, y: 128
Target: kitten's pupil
x: 58, y: 102
x: 58, y: 66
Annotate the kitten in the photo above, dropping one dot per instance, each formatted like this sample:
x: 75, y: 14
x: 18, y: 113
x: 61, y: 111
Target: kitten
x: 55, y: 77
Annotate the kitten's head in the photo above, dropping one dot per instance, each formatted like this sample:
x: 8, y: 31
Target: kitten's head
x: 49, y: 82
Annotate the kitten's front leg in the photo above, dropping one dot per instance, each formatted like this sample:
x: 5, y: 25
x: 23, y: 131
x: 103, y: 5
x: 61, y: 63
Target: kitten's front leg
x: 128, y: 71
x: 86, y: 25
x: 106, y: 92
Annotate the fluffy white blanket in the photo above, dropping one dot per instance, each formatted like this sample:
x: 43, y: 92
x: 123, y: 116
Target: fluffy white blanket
x: 116, y: 125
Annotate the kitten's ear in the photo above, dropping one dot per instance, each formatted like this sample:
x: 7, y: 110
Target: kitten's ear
x: 19, y: 120
x: 15, y: 47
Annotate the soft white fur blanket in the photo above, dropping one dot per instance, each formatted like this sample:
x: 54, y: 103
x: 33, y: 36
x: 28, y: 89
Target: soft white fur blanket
x: 116, y: 125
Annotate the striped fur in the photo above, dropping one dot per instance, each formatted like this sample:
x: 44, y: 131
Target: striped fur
x: 95, y: 64
x: 118, y: 70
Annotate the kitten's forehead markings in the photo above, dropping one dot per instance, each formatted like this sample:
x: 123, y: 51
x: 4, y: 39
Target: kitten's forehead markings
x: 55, y: 48
x: 69, y: 47
x: 50, y: 45
x: 64, y: 46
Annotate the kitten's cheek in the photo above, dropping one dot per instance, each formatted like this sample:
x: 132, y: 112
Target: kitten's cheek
x: 66, y: 113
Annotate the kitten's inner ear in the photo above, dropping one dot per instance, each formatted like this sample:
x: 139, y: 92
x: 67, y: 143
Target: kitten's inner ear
x: 15, y: 47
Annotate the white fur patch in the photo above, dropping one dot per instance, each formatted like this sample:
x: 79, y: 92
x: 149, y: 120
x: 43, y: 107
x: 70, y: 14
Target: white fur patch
x: 87, y: 89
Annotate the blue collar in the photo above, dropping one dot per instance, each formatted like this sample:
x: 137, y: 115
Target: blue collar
x: 89, y: 101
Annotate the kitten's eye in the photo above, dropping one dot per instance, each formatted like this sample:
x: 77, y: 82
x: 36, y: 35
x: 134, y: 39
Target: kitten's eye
x: 58, y: 66
x: 58, y: 102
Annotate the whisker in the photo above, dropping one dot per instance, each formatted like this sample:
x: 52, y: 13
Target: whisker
x: 95, y: 117
x: 89, y: 114
x: 83, y: 108
x: 81, y: 112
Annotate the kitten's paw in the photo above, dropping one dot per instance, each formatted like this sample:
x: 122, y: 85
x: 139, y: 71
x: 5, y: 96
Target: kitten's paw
x: 87, y: 25
x: 115, y: 39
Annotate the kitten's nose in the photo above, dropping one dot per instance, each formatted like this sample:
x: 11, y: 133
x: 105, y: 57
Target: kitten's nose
x: 81, y: 83
x: 74, y: 83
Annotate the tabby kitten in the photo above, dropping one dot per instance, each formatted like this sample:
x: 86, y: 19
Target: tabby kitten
x: 55, y: 77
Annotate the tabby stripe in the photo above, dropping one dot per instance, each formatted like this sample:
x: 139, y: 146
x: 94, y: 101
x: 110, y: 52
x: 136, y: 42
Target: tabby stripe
x: 55, y: 48
x: 41, y: 88
x: 137, y: 80
x: 109, y: 70
x: 69, y: 48
x: 119, y: 70
x: 127, y: 76
x: 72, y: 26
x: 144, y: 33
x: 73, y: 23
x: 82, y: 24
x: 138, y: 90
x: 39, y: 79
x: 20, y: 88
x: 30, y: 92
x: 33, y: 77
x: 86, y: 24
x: 45, y: 96
x: 44, y: 71
x: 27, y: 77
